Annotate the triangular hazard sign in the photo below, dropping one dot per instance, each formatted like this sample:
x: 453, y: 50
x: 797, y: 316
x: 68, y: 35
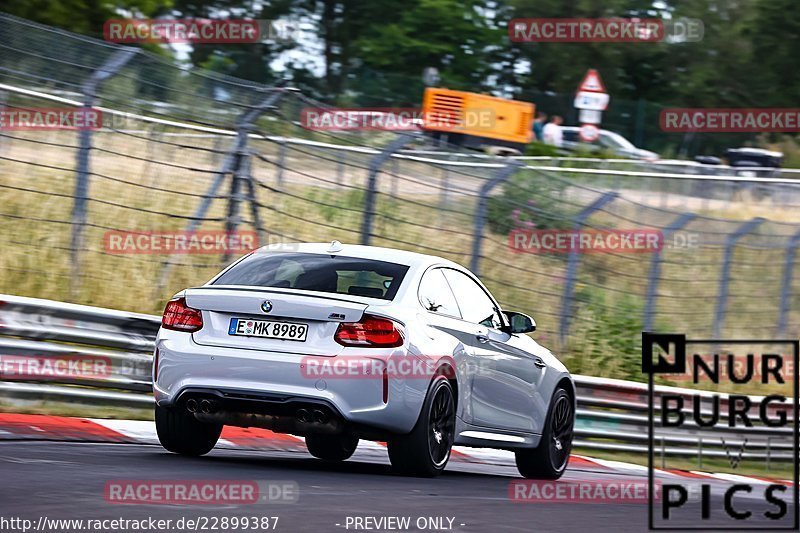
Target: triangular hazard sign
x: 592, y: 83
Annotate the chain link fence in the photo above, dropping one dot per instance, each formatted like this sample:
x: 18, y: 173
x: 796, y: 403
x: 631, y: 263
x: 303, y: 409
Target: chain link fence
x: 188, y: 150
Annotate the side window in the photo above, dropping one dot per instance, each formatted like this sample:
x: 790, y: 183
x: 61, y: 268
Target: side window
x: 475, y: 304
x: 435, y: 294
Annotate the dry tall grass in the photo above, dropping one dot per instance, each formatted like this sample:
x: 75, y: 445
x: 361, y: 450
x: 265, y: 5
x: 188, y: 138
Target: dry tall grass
x: 150, y: 181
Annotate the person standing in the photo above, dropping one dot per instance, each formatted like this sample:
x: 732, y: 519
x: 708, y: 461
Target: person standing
x: 552, y: 133
x: 538, y: 126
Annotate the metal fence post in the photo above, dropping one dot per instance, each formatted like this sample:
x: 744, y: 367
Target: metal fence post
x: 574, y: 260
x: 281, y: 161
x: 480, y: 212
x: 786, y: 282
x: 339, y: 168
x: 89, y: 89
x: 241, y: 166
x: 250, y: 196
x: 153, y: 171
x: 445, y: 189
x: 394, y: 172
x: 375, y: 165
x: 233, y: 219
x: 724, y: 280
x: 232, y: 164
x: 655, y: 268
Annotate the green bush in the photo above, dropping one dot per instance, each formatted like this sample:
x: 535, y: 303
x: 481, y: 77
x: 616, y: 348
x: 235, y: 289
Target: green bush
x: 540, y: 149
x: 529, y: 200
x: 606, y: 336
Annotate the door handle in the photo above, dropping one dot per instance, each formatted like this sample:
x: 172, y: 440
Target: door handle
x: 538, y: 362
x: 483, y: 339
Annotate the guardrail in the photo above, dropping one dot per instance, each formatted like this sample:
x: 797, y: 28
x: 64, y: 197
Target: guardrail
x: 612, y: 414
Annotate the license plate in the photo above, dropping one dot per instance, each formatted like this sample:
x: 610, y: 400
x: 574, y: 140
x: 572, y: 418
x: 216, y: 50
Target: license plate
x: 248, y: 327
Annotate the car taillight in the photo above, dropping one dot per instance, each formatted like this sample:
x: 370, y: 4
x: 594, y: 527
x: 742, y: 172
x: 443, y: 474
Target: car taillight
x: 370, y: 331
x: 180, y: 317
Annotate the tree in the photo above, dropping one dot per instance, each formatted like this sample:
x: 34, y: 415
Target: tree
x: 249, y: 61
x: 459, y: 38
x: 81, y: 16
x: 775, y: 34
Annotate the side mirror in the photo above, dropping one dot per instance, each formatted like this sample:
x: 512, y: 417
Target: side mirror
x: 520, y: 323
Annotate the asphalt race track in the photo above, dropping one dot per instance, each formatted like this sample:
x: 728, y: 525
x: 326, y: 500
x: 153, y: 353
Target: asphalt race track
x: 61, y: 480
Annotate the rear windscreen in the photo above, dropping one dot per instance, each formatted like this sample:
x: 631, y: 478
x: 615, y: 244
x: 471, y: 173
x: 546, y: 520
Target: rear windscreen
x: 317, y: 272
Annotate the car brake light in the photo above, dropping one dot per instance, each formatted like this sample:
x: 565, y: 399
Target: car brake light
x: 180, y: 317
x: 370, y: 331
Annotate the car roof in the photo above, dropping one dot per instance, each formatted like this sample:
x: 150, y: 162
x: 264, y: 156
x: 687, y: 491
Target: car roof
x: 378, y: 253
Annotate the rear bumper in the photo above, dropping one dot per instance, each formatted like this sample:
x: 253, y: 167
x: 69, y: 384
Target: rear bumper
x: 281, y: 413
x: 273, y: 383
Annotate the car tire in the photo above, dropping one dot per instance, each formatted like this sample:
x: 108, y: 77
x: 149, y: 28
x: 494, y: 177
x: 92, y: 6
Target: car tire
x: 549, y: 460
x: 331, y: 447
x: 180, y: 432
x: 425, y: 451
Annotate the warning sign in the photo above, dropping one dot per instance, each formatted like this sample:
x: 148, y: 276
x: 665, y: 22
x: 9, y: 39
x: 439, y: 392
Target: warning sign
x: 592, y: 83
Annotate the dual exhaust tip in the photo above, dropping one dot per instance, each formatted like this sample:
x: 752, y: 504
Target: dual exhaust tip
x: 312, y: 416
x: 201, y: 406
x: 305, y: 416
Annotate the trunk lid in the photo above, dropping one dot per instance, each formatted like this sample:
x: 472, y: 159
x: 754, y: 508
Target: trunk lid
x: 321, y: 312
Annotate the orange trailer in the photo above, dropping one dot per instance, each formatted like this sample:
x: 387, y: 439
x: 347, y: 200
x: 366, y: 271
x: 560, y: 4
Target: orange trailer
x: 477, y: 120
